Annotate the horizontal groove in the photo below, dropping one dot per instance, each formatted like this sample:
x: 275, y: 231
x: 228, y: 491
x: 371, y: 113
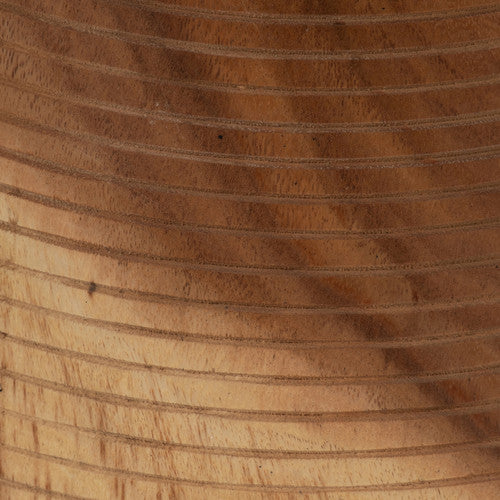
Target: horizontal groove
x: 274, y: 233
x: 129, y: 256
x: 268, y: 380
x: 410, y: 451
x: 306, y: 19
x: 458, y: 120
x: 39, y: 491
x: 270, y: 162
x: 263, y: 415
x: 135, y: 330
x: 433, y: 483
x: 233, y: 306
x: 79, y: 173
x: 254, y: 89
x: 245, y: 52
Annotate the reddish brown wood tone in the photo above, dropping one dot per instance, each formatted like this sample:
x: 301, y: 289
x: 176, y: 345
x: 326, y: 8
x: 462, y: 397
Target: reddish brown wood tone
x: 249, y: 249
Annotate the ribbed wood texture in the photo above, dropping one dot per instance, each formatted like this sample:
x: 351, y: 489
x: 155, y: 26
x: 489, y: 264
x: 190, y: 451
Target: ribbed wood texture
x: 249, y: 249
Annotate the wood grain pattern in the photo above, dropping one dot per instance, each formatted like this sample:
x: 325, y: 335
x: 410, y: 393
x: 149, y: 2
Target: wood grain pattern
x: 249, y: 249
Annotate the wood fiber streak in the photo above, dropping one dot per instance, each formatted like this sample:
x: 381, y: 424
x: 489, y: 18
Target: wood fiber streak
x: 249, y: 249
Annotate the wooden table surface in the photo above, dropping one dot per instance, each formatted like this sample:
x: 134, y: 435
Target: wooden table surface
x: 249, y: 249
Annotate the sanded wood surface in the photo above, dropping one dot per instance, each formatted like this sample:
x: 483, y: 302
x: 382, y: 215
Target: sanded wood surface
x: 249, y: 249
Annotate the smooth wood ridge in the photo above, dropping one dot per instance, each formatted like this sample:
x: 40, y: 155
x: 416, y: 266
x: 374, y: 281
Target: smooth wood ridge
x: 249, y: 249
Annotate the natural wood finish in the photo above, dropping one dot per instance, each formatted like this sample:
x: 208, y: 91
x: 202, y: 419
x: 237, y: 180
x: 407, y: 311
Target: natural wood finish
x: 249, y: 249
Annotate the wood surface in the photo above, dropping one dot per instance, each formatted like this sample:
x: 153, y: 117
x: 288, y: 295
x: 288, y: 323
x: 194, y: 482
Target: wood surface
x: 249, y: 249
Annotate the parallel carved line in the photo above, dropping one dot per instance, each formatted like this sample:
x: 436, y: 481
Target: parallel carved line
x: 414, y: 413
x: 101, y: 470
x: 272, y: 233
x: 128, y: 439
x: 458, y: 120
x: 254, y: 89
x: 281, y: 198
x: 306, y: 19
x: 254, y: 161
x: 130, y: 256
x: 36, y: 490
x: 268, y: 380
x: 233, y: 306
x: 487, y: 334
x: 247, y: 52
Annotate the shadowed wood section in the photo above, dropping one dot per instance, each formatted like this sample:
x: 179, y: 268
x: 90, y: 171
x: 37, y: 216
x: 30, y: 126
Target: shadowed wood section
x: 249, y: 249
